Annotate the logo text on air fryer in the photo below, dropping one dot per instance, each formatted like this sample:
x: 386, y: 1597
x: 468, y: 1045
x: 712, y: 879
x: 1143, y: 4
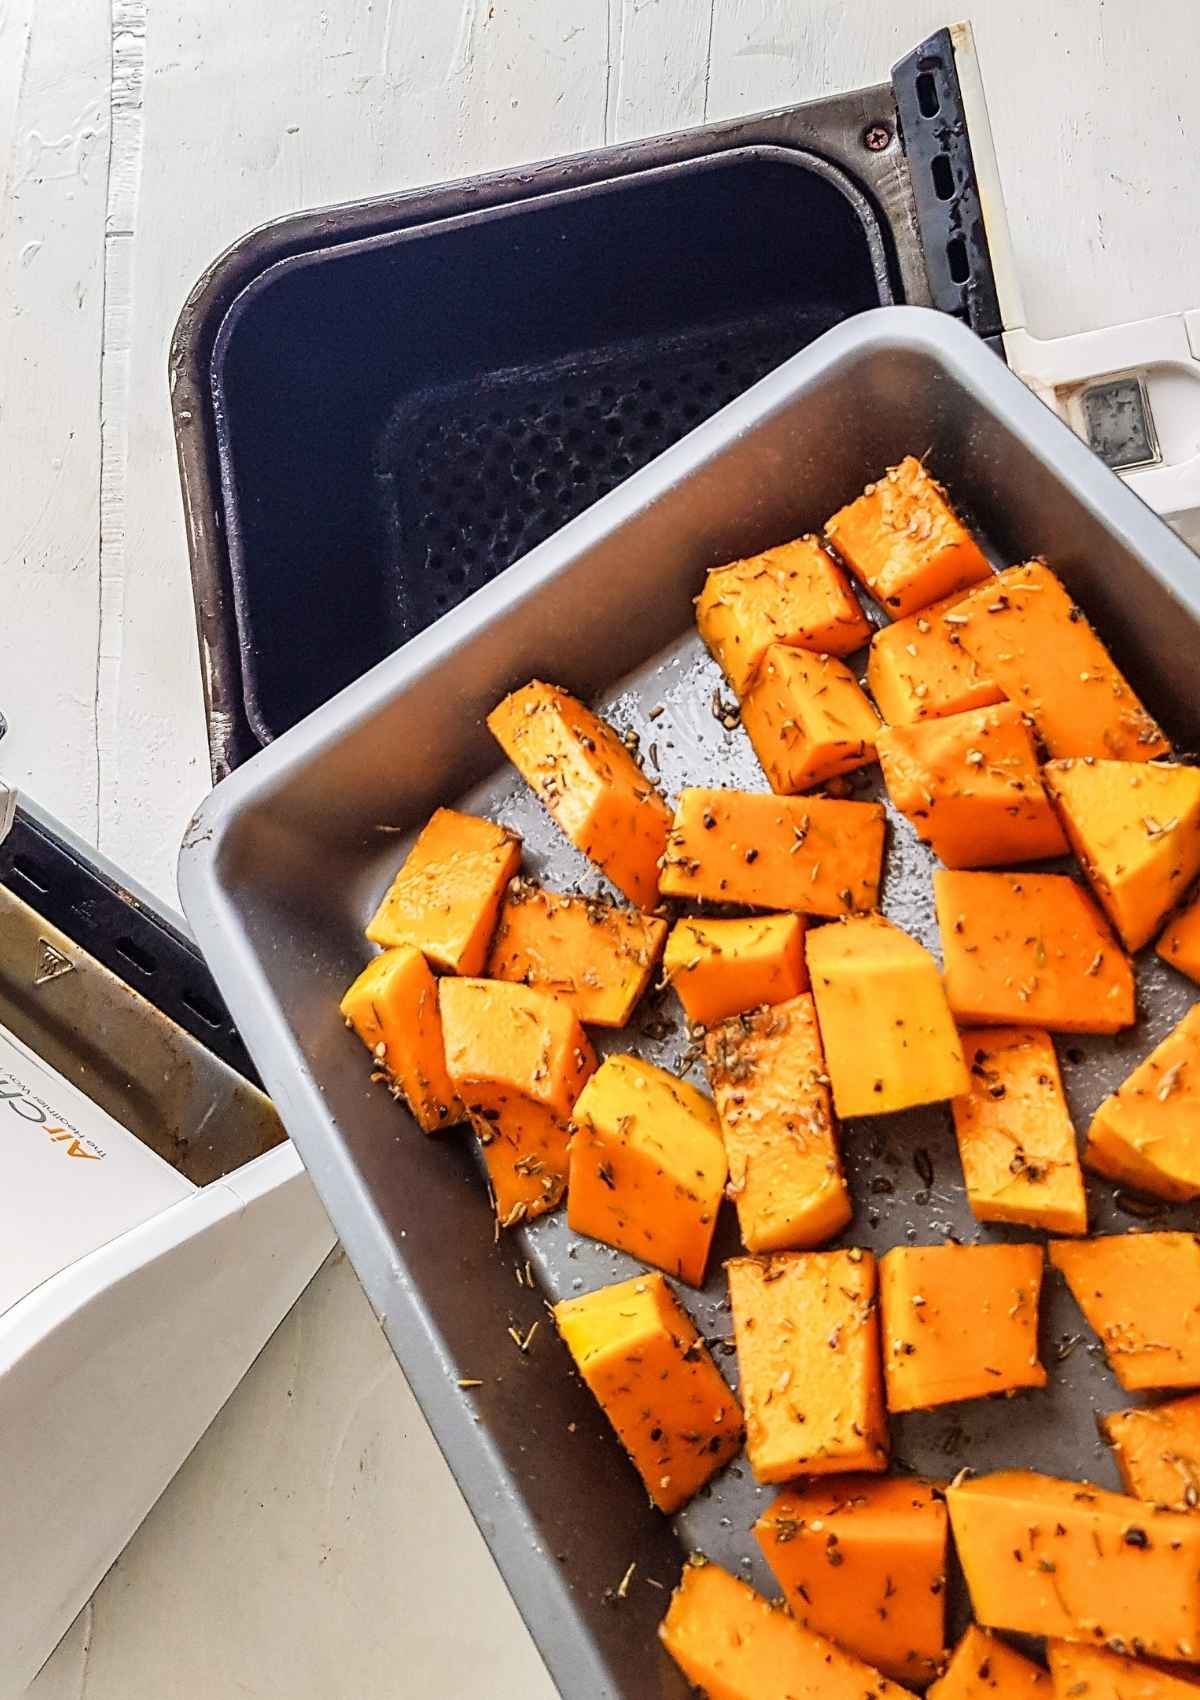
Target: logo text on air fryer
x: 18, y: 1098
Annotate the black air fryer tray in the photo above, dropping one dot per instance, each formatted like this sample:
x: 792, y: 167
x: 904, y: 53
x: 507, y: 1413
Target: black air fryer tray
x: 381, y: 406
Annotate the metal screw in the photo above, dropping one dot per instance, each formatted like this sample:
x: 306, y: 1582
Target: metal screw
x: 876, y: 137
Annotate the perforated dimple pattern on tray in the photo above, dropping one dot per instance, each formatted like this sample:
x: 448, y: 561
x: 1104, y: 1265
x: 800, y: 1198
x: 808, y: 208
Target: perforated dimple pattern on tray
x: 473, y: 476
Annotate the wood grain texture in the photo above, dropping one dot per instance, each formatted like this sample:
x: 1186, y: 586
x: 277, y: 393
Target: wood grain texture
x: 53, y: 97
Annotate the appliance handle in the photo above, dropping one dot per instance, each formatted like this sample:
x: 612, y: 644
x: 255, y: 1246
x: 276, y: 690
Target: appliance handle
x: 1133, y: 392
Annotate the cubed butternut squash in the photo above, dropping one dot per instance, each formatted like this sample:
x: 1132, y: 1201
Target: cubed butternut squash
x: 445, y: 899
x: 862, y: 1559
x: 1024, y: 631
x: 794, y: 594
x: 721, y: 968
x: 983, y: 1667
x: 917, y: 669
x: 1141, y: 1295
x: 1015, y: 1135
x: 639, y: 1353
x: 393, y: 1007
x: 1157, y: 1451
x: 807, y: 719
x: 890, y: 1041
x: 971, y: 787
x: 771, y: 1090
x: 959, y: 1322
x: 519, y: 1060
x: 647, y: 1166
x: 589, y: 782
x: 807, y: 1336
x: 1180, y: 941
x: 813, y: 855
x: 596, y: 955
x: 1146, y: 1134
x: 1095, y: 1673
x: 1030, y: 950
x: 1068, y: 1560
x: 735, y: 1645
x: 1135, y: 827
x: 904, y: 542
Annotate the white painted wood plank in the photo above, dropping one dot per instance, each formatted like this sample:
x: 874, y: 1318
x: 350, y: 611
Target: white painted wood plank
x: 1095, y: 117
x: 53, y: 95
x: 657, y: 66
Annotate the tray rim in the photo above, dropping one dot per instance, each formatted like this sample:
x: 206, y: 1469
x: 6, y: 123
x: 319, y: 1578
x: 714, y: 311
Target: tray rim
x: 207, y: 868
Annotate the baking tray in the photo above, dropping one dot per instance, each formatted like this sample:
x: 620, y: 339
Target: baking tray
x: 381, y: 405
x: 288, y: 857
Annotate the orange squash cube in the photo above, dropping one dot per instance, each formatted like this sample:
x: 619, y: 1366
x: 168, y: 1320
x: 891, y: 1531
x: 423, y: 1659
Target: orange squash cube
x: 590, y: 784
x: 813, y: 855
x: 1157, y: 1449
x: 596, y: 955
x: 1024, y: 631
x: 794, y: 594
x: 1180, y: 941
x: 904, y: 542
x: 648, y: 1166
x: 971, y: 787
x: 1030, y: 950
x: 639, y: 1353
x: 1146, y: 1134
x: 983, y: 1667
x: 1069, y: 1560
x: 1141, y: 1295
x: 1135, y: 828
x: 1099, y: 1674
x: 785, y: 1170
x: 445, y: 898
x: 393, y: 1007
x: 889, y: 1038
x: 807, y: 1337
x: 519, y: 1059
x: 721, y: 968
x: 1015, y: 1135
x: 807, y: 719
x: 917, y: 669
x: 735, y: 1645
x: 862, y: 1559
x: 959, y: 1322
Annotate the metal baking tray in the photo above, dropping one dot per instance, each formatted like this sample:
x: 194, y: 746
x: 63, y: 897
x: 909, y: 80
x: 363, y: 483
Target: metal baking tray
x: 288, y: 857
x: 380, y: 406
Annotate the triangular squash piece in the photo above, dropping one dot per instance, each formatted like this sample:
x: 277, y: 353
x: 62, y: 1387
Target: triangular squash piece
x: 1135, y: 827
x: 1141, y: 1295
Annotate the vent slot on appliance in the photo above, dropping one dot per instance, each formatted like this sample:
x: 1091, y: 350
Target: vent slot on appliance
x: 132, y: 942
x: 933, y: 131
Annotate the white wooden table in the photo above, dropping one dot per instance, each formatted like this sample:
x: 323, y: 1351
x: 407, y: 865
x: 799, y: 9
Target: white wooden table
x: 314, y: 1546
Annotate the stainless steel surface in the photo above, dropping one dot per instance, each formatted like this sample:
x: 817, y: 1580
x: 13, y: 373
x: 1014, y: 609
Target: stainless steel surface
x: 155, y: 1079
x: 288, y: 857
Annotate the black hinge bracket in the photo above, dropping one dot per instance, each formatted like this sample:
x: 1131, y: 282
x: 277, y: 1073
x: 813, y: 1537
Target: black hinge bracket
x: 933, y: 132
